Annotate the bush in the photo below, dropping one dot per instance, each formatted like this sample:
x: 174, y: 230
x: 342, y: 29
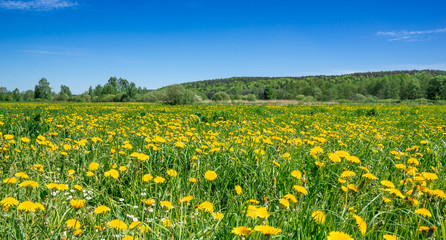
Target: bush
x: 300, y: 97
x: 308, y: 99
x: 221, y: 96
x: 107, y: 98
x: 177, y: 94
x: 359, y: 98
x: 236, y: 97
x: 251, y: 97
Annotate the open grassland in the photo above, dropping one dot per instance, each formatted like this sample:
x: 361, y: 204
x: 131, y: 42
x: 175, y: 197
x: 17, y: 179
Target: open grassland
x: 148, y: 171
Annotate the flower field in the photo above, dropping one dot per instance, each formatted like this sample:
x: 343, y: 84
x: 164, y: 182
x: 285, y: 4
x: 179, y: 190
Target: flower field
x: 150, y: 171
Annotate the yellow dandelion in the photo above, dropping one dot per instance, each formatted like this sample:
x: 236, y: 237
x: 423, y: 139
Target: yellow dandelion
x: 296, y: 174
x: 241, y: 231
x: 77, y: 204
x: 192, y: 180
x: 429, y: 176
x: 11, y: 180
x: 206, y: 206
x: 238, y: 189
x: 8, y: 202
x: 27, y: 206
x: 423, y: 212
x: 300, y: 189
x: 148, y: 202
x: 362, y: 225
x: 112, y: 173
x: 93, y: 166
x: 159, y: 180
x: 147, y: 177
x: 210, y: 175
x: 29, y: 184
x: 284, y: 202
x: 290, y: 197
x: 348, y: 174
x: 369, y: 176
x: 22, y: 175
x: 267, y: 230
x: 217, y: 215
x: 166, y: 205
x: 185, y: 199
x: 172, y: 173
x: 117, y: 224
x: 73, y: 223
x: 318, y: 216
x: 335, y: 235
x: 387, y: 183
x: 101, y: 209
x: 390, y: 237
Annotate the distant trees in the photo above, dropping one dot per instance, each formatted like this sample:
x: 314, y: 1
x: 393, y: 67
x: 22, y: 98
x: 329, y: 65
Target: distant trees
x: 360, y: 87
x: 43, y: 90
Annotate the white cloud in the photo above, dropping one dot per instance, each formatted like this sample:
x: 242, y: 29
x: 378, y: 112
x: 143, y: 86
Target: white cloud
x: 409, y: 36
x: 37, y: 5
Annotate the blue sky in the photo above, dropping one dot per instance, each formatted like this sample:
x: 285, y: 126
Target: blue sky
x: 155, y: 43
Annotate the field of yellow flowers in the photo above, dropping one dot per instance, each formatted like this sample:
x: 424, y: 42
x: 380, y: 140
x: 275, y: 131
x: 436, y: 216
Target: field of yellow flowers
x: 151, y: 171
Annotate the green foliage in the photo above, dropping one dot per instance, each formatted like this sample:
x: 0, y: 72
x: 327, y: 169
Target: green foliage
x: 251, y: 97
x: 221, y: 96
x: 43, y: 90
x: 300, y: 97
x: 176, y: 94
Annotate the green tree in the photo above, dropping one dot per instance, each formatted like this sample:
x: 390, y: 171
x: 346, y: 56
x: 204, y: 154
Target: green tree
x: 269, y: 93
x: 177, y: 94
x: 65, y: 89
x: 16, y: 95
x: 43, y: 90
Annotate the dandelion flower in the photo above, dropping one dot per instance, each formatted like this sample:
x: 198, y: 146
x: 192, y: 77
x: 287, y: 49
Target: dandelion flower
x: 210, y: 175
x: 27, y: 206
x: 192, y: 180
x: 290, y: 197
x: 335, y: 235
x: 369, y: 176
x: 267, y: 230
x: 22, y: 175
x: 166, y: 205
x: 77, y: 204
x: 206, y: 206
x: 318, y: 217
x: 159, y: 180
x: 9, y: 201
x: 390, y: 237
x: 262, y: 212
x: 423, y: 212
x: 238, y: 189
x: 241, y: 231
x: 362, y: 225
x: 217, y: 215
x: 73, y: 223
x: 148, y: 202
x: 185, y: 199
x: 387, y: 183
x: 147, y: 178
x: 101, y: 209
x: 296, y: 174
x: 93, y: 166
x: 29, y: 184
x: 117, y: 224
x: 112, y: 173
x: 172, y: 173
x: 429, y: 176
x: 300, y: 189
x: 348, y: 174
x: 11, y: 180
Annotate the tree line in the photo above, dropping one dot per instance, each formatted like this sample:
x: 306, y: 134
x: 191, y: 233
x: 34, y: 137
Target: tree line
x: 370, y: 86
x: 360, y: 87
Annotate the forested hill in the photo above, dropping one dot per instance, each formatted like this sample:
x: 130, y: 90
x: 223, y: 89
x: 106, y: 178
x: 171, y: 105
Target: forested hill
x: 429, y: 84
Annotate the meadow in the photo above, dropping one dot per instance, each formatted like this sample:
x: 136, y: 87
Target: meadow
x: 152, y: 171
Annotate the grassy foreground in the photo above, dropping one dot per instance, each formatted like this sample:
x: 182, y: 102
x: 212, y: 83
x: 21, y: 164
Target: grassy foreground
x: 149, y: 171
